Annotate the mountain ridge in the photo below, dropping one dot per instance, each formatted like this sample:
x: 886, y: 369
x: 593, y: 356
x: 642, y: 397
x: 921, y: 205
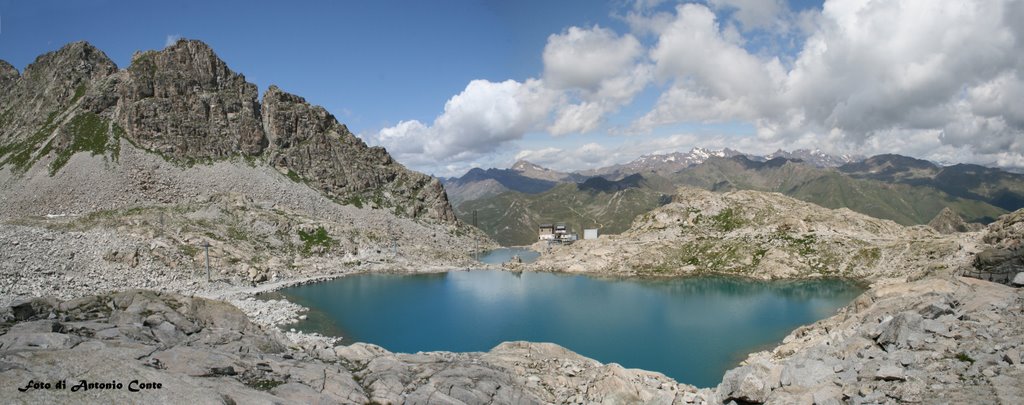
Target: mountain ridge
x: 184, y: 103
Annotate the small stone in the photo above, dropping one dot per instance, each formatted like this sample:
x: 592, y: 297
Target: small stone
x: 890, y: 373
x: 229, y: 370
x: 1018, y: 280
x: 1012, y: 356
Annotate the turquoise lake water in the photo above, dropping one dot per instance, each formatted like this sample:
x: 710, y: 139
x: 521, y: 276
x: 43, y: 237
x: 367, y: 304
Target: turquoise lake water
x: 691, y: 329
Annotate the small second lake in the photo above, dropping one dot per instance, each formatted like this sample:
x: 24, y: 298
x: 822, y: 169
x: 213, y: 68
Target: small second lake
x: 691, y: 329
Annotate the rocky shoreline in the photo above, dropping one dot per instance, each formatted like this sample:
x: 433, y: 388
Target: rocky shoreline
x: 928, y: 335
x: 957, y: 338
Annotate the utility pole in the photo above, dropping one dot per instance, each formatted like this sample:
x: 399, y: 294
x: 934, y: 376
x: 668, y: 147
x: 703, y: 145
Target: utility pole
x: 206, y: 245
x: 476, y: 249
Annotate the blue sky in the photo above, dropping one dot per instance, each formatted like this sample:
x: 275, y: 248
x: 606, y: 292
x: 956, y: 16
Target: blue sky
x: 447, y: 85
x: 370, y: 63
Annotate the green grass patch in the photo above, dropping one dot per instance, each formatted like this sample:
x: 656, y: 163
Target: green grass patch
x: 964, y: 357
x: 759, y: 254
x: 20, y: 154
x: 354, y: 200
x: 804, y: 245
x: 318, y: 237
x: 115, y: 144
x: 188, y: 250
x: 868, y: 256
x: 79, y: 92
x: 710, y: 255
x: 88, y: 134
x: 237, y: 234
x: 727, y: 220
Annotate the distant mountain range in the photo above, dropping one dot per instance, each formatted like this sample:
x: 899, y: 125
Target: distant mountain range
x: 1000, y: 188
x: 510, y: 203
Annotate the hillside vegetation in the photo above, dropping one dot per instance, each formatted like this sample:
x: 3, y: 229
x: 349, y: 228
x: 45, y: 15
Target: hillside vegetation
x: 512, y: 218
x: 907, y: 204
x: 763, y: 235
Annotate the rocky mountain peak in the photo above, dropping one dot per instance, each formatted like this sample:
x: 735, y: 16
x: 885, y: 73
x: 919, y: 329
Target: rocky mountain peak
x: 56, y: 79
x: 192, y: 65
x: 186, y: 104
x: 184, y: 101
x: 522, y: 165
x: 79, y: 59
x: 949, y: 221
x: 288, y: 119
x: 8, y: 73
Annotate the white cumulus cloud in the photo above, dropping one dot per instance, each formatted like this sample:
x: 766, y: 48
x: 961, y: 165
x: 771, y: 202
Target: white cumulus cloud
x: 929, y: 73
x: 477, y: 121
x: 598, y: 70
x: 936, y: 79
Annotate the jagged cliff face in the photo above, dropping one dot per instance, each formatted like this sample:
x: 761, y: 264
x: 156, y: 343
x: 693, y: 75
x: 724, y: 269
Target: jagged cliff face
x: 184, y: 103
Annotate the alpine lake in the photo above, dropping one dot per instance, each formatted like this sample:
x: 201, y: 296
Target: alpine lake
x: 691, y: 329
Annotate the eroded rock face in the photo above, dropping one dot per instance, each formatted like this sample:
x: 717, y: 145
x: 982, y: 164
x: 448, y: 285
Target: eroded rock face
x: 184, y: 101
x: 186, y: 104
x: 309, y: 142
x: 51, y: 84
x: 1002, y: 257
x: 8, y: 75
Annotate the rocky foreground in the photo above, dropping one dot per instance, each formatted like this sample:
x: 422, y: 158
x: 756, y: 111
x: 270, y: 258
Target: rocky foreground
x: 930, y: 341
x: 194, y: 350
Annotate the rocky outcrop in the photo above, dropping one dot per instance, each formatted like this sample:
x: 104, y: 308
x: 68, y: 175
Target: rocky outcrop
x: 948, y: 221
x: 766, y: 236
x: 947, y: 340
x: 8, y: 76
x: 170, y: 348
x: 32, y: 102
x: 185, y: 104
x: 309, y: 142
x: 1002, y: 257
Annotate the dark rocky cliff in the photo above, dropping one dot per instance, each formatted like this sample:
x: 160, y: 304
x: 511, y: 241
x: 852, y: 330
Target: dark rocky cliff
x: 184, y: 103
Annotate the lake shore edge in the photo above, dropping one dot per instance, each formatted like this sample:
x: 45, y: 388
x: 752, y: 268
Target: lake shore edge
x: 803, y: 346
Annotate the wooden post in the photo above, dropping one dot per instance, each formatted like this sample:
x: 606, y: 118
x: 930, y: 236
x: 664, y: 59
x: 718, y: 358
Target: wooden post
x: 206, y: 245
